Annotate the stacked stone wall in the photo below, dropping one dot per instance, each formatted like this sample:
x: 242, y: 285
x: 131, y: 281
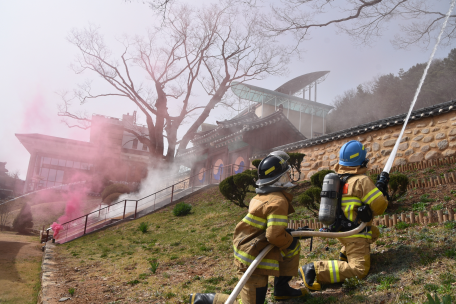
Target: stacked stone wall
x: 424, y: 139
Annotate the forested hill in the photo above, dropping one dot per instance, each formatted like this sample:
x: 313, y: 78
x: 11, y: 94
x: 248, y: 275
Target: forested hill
x: 390, y: 94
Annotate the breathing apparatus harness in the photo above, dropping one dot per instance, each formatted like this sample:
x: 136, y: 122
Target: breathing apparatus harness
x: 341, y: 222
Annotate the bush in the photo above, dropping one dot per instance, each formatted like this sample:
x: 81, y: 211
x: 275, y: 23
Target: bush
x: 234, y: 188
x: 143, y: 227
x: 256, y: 162
x: 182, y: 209
x: 311, y: 199
x: 398, y: 185
x: 71, y: 291
x: 295, y: 164
x: 317, y: 179
x: 23, y: 220
x: 114, y: 188
x: 253, y: 175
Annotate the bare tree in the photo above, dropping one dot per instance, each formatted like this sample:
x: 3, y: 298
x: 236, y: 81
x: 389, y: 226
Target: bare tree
x: 208, y: 47
x: 4, y: 215
x: 363, y: 20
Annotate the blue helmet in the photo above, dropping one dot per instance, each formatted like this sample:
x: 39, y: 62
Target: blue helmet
x: 352, y: 154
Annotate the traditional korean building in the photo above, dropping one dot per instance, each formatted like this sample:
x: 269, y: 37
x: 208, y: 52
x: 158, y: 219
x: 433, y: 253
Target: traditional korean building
x: 232, y: 142
x: 273, y: 118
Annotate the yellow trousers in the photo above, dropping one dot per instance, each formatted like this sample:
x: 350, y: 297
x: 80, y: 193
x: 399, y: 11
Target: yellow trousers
x: 354, y: 261
x: 287, y: 267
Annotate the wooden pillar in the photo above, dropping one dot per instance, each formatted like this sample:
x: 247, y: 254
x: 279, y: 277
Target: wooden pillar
x: 451, y: 214
x: 394, y: 219
x: 430, y: 216
x: 386, y: 220
x: 440, y: 215
x: 420, y: 215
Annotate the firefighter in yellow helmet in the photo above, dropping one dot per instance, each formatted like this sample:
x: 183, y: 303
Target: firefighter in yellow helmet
x: 265, y: 223
x: 361, y: 199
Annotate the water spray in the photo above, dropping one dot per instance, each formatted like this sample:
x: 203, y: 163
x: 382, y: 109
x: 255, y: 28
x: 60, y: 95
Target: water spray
x: 49, y: 188
x: 392, y: 156
x: 383, y: 177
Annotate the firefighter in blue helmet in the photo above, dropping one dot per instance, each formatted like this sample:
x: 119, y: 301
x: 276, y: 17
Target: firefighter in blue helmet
x: 359, y: 195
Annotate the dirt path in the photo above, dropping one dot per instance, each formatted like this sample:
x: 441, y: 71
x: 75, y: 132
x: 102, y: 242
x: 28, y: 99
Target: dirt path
x: 20, y: 262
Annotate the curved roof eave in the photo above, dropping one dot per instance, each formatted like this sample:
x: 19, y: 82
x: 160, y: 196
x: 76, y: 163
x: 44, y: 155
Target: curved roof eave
x: 257, y: 94
x: 294, y: 85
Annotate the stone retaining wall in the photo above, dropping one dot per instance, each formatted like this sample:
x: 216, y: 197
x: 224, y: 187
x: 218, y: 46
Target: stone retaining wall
x: 425, y: 139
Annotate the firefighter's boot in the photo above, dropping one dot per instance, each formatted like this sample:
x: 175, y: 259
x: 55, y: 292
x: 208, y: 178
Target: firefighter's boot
x: 202, y: 298
x: 283, y: 291
x: 308, y: 276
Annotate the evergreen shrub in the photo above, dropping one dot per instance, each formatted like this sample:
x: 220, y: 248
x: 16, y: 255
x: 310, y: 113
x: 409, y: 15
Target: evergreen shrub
x: 182, y: 209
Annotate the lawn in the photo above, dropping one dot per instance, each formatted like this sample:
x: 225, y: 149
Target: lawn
x: 180, y: 255
x: 20, y: 265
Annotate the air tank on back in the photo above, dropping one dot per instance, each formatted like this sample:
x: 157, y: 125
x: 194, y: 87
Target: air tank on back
x: 328, y: 205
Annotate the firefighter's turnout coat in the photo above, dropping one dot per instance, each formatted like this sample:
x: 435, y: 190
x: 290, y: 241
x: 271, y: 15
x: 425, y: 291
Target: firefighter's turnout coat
x: 354, y: 258
x: 265, y: 224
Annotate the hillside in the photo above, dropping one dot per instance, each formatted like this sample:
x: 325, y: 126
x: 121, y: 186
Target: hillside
x: 193, y: 254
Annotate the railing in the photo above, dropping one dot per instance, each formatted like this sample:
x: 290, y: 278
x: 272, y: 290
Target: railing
x: 134, y: 208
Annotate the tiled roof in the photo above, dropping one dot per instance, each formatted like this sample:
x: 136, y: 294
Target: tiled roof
x: 247, y: 126
x: 434, y: 110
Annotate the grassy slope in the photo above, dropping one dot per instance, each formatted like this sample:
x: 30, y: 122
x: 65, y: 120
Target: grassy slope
x: 20, y: 266
x: 194, y: 255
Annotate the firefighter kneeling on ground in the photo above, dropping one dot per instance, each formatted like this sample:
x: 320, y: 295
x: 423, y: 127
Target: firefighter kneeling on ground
x: 266, y: 223
x: 360, y: 198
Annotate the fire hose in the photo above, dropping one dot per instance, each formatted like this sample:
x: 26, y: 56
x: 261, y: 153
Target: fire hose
x: 383, y: 178
x: 268, y: 248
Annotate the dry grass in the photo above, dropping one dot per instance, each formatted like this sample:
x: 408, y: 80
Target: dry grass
x: 20, y: 262
x: 194, y: 255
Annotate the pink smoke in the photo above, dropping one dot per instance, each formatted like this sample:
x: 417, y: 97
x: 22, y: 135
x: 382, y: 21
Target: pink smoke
x: 37, y: 115
x: 56, y: 227
x: 73, y: 209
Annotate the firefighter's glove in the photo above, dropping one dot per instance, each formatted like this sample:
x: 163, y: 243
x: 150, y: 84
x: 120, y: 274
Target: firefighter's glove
x: 382, y: 183
x: 365, y: 213
x: 295, y: 239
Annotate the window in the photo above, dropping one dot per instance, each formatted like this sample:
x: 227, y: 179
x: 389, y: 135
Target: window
x: 52, y: 174
x: 77, y: 165
x: 135, y: 143
x: 54, y: 161
x: 44, y: 173
x: 47, y: 160
x: 59, y: 176
x: 84, y: 166
x: 69, y: 164
x: 62, y: 162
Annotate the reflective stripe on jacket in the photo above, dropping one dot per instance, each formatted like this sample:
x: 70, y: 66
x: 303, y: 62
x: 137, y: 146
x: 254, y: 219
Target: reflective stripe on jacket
x: 264, y: 224
x: 360, y: 190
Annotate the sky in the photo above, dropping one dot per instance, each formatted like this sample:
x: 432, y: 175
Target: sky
x: 35, y: 59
